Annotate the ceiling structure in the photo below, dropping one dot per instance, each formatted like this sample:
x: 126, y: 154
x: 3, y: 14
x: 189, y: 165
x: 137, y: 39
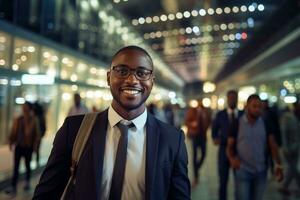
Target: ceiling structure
x: 198, y: 38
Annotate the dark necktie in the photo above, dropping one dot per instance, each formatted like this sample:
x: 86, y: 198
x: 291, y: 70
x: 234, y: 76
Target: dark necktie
x: 232, y: 116
x: 120, y: 163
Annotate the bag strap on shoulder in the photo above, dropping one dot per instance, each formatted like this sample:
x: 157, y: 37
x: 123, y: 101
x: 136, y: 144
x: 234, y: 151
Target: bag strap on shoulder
x: 79, y: 144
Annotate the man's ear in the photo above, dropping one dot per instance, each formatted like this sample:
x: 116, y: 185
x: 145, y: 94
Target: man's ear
x: 108, y: 77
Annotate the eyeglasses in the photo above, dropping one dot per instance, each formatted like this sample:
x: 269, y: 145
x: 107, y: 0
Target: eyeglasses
x: 140, y: 73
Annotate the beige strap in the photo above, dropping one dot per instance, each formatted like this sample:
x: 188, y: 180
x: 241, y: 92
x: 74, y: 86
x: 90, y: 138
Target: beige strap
x: 79, y: 144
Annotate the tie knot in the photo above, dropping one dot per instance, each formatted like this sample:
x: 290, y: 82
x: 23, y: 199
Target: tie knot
x: 124, y: 126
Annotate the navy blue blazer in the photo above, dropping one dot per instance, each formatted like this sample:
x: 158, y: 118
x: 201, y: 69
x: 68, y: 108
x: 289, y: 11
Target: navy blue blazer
x: 221, y: 125
x: 166, y: 162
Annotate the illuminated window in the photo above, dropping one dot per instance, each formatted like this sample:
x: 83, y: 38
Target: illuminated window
x: 5, y: 40
x: 25, y: 57
x: 68, y: 64
x: 50, y: 61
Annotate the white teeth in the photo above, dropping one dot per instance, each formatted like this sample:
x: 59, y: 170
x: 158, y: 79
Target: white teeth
x: 131, y: 91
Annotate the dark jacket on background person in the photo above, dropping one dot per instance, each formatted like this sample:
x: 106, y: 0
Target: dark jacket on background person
x: 25, y: 137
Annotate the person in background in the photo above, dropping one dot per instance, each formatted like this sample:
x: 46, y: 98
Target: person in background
x: 195, y: 122
x: 290, y: 126
x: 250, y: 142
x: 168, y: 110
x: 152, y: 108
x: 220, y: 128
x: 23, y: 139
x: 78, y: 108
x: 38, y: 111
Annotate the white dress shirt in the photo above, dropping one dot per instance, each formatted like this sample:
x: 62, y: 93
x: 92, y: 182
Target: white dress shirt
x: 134, y: 178
x: 229, y: 111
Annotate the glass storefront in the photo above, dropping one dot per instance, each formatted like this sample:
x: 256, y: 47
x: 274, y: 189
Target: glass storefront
x: 25, y: 57
x: 5, y: 41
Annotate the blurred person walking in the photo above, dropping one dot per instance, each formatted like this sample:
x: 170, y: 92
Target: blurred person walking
x: 78, y: 108
x: 38, y: 111
x: 220, y: 128
x: 250, y: 142
x: 24, y: 138
x: 196, y: 131
x: 290, y: 126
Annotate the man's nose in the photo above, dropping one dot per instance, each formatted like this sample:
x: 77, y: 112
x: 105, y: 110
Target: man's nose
x: 132, y: 77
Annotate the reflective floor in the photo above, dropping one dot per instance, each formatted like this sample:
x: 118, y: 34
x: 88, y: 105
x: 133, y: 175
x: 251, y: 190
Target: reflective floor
x: 205, y: 190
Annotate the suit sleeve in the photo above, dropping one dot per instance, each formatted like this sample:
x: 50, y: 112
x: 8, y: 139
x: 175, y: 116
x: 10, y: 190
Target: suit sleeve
x: 216, y: 126
x: 55, y: 176
x: 180, y: 184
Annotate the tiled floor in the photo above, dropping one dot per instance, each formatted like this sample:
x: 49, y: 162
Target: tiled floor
x: 205, y: 190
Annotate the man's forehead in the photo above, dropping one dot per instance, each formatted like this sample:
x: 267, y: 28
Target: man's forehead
x: 130, y: 55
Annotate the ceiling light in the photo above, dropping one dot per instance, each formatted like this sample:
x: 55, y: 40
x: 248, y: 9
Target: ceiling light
x: 223, y: 27
x: 135, y: 22
x: 158, y: 34
x: 146, y: 36
x: 219, y: 11
x: 194, y: 13
x: 182, y: 31
x: 186, y: 14
x: 251, y: 8
x: 171, y: 17
x: 179, y: 15
x: 216, y: 27
x: 175, y: 32
x: 244, y: 35
x: 202, y: 12
x: 148, y: 20
x: 261, y: 7
x: 163, y: 18
x: 235, y: 9
x: 196, y: 29
x: 155, y: 19
x: 227, y: 10
x: 230, y: 26
x: 225, y: 37
x: 238, y: 36
x: 243, y: 8
x: 141, y: 20
x: 152, y: 35
x: 231, y: 37
x: 210, y: 11
x: 188, y: 30
x: 250, y: 22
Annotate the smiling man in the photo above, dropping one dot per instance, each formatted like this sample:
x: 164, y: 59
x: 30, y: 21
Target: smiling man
x: 130, y: 154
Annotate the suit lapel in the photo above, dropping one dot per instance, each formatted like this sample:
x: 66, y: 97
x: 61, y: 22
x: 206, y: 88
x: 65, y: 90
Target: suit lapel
x: 152, y: 140
x: 98, y: 143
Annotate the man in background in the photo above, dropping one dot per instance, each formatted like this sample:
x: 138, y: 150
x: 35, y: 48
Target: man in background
x: 78, y: 108
x: 220, y: 128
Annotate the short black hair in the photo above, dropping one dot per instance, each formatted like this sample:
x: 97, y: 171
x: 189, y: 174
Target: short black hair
x: 29, y: 104
x: 232, y: 92
x: 133, y: 47
x: 253, y: 96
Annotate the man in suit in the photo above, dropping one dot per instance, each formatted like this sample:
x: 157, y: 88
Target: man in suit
x: 156, y: 158
x: 220, y: 128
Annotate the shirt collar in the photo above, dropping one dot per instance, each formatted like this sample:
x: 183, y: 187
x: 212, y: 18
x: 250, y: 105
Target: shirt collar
x: 247, y: 121
x: 114, y: 118
x: 229, y: 111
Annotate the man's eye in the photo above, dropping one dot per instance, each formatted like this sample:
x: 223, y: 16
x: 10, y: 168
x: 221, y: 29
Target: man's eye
x: 122, y: 71
x: 142, y: 73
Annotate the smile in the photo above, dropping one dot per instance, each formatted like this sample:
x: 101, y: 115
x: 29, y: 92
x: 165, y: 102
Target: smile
x: 131, y: 91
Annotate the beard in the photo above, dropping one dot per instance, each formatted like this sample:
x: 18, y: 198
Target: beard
x: 129, y: 106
